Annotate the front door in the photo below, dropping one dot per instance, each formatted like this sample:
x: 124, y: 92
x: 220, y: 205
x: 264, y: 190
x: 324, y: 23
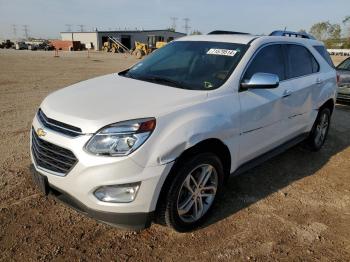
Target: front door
x: 262, y: 110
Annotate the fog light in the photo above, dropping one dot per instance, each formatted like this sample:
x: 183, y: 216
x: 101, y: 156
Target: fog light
x: 118, y: 193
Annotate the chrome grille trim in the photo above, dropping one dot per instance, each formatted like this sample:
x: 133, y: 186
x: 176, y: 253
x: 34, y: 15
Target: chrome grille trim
x: 52, y: 158
x: 57, y: 126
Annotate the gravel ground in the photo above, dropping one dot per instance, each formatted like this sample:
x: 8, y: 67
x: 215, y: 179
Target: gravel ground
x: 294, y: 207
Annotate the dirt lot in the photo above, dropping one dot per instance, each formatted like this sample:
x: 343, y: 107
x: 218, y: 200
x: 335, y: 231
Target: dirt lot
x: 294, y: 207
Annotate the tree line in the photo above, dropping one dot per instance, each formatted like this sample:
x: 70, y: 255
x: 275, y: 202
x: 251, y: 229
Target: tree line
x: 333, y: 35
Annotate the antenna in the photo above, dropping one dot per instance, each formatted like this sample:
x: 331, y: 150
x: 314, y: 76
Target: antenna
x: 26, y: 31
x: 174, y: 19
x: 81, y: 28
x: 186, y: 26
x: 68, y: 27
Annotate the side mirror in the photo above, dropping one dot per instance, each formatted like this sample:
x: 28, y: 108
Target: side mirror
x: 261, y: 81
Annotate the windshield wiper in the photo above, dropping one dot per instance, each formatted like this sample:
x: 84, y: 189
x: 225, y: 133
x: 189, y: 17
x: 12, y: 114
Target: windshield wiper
x: 164, y: 80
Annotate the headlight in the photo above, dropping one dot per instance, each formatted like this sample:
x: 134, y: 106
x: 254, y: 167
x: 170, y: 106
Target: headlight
x: 122, y: 138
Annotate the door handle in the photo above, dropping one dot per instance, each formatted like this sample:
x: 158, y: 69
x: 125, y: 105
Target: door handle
x: 286, y: 93
x: 319, y: 81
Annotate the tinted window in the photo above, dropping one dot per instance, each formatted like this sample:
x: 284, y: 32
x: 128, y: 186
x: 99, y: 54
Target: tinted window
x: 323, y: 52
x: 301, y: 62
x: 345, y: 65
x: 268, y: 60
x: 196, y: 65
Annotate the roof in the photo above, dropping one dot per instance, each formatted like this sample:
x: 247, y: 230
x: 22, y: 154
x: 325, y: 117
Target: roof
x: 230, y: 38
x: 126, y: 31
x: 246, y: 38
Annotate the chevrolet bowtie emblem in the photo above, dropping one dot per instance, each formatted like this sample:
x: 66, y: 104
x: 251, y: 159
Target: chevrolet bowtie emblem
x: 40, y: 132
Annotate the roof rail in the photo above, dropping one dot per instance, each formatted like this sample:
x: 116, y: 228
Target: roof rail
x: 292, y: 34
x: 222, y: 32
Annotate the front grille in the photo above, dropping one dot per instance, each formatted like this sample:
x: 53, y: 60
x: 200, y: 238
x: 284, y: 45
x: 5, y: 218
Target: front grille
x: 52, y: 157
x: 57, y: 126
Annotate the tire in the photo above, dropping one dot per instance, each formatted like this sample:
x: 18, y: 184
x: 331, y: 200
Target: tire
x: 139, y: 53
x: 182, y: 209
x: 319, y: 132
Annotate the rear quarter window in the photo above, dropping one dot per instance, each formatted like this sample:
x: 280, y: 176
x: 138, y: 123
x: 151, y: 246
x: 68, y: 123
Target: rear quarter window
x: 324, y: 53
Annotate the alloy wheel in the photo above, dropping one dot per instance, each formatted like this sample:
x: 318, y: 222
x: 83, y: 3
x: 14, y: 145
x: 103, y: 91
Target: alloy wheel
x: 321, y: 129
x: 197, y: 193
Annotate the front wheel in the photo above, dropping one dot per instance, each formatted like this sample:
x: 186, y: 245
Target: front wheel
x: 320, y: 130
x: 192, y: 192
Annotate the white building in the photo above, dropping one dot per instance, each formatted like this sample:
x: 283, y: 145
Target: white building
x: 96, y: 39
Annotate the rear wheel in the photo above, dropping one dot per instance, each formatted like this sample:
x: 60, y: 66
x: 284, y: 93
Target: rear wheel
x: 192, y: 192
x: 320, y: 130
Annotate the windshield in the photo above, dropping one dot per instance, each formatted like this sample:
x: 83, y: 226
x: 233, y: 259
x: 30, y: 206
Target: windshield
x: 345, y: 65
x: 193, y: 65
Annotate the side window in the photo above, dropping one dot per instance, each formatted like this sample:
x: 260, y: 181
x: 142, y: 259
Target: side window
x: 270, y: 59
x: 301, y: 62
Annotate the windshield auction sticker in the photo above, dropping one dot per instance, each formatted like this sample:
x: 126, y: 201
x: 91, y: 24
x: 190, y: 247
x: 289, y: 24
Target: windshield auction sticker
x: 225, y: 52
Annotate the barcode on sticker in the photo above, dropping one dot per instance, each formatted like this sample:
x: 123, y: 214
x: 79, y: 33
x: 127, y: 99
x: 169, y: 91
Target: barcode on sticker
x: 226, y: 52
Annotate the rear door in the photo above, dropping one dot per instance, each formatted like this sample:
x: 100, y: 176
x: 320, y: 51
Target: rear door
x: 302, y: 77
x: 262, y: 111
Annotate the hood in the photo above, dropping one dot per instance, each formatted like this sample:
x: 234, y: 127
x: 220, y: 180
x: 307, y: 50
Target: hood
x: 95, y: 103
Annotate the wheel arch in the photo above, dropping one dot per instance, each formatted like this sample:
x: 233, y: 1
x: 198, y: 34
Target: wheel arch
x: 211, y: 145
x: 328, y: 104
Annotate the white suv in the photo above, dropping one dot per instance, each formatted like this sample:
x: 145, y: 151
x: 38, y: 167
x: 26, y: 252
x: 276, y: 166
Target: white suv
x: 157, y: 141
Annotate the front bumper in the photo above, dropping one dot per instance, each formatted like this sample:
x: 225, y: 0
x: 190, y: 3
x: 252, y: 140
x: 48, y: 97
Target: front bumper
x: 343, y: 93
x: 343, y: 97
x: 91, y: 172
x: 133, y: 221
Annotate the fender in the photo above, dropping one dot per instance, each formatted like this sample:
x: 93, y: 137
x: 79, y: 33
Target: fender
x: 182, y: 129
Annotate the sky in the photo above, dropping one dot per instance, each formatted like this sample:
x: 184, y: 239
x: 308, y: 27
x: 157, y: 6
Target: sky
x: 46, y: 18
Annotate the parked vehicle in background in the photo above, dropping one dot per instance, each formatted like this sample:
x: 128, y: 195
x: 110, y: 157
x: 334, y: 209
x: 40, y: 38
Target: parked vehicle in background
x: 21, y: 46
x: 47, y: 46
x: 343, y: 70
x: 32, y: 47
x: 7, y: 44
x: 157, y: 141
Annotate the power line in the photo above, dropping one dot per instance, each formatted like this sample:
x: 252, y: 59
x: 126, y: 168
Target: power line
x: 14, y: 29
x: 26, y: 31
x: 186, y: 26
x: 173, y: 19
x: 68, y: 27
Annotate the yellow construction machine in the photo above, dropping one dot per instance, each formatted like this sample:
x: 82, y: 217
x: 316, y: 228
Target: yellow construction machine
x: 114, y: 45
x: 154, y: 43
x: 141, y: 49
x: 109, y: 46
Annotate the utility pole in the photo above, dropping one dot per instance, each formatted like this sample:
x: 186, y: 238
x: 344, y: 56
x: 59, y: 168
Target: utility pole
x: 14, y: 29
x: 26, y: 31
x: 174, y: 19
x: 68, y: 27
x: 186, y: 26
x: 81, y: 28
